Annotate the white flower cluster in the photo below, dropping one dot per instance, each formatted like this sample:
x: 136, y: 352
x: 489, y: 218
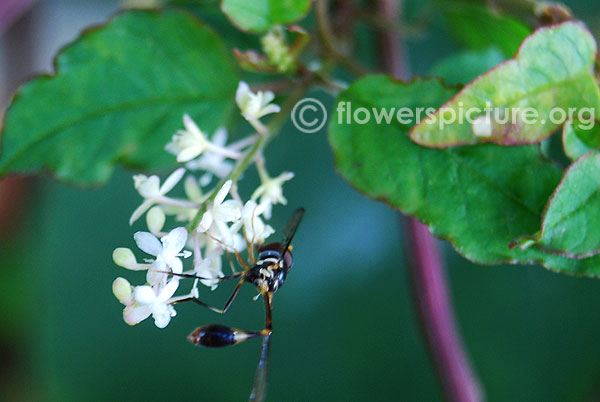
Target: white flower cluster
x: 226, y: 225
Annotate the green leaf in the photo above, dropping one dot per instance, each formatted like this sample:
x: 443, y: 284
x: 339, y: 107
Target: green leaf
x: 465, y: 66
x: 571, y: 224
x: 261, y: 15
x: 553, y: 70
x: 118, y: 95
x: 478, y: 28
x: 579, y: 138
x: 209, y: 12
x: 477, y: 197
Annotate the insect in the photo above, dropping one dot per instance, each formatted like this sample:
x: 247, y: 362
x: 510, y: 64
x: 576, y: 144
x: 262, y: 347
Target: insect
x: 267, y: 273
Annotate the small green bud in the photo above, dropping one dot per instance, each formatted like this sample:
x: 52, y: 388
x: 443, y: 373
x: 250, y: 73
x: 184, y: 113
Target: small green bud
x: 155, y: 219
x: 122, y: 290
x: 124, y: 257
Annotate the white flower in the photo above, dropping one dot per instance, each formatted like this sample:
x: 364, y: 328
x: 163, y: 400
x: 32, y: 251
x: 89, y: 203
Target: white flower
x: 271, y: 191
x: 211, y: 269
x: 192, y: 142
x: 227, y: 237
x: 254, y: 105
x: 255, y: 229
x: 219, y: 211
x: 152, y: 191
x: 166, y: 252
x: 152, y: 301
x: 189, y: 143
x: 213, y: 162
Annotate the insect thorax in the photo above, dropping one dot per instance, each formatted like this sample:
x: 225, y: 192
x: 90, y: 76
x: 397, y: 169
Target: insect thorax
x: 267, y: 274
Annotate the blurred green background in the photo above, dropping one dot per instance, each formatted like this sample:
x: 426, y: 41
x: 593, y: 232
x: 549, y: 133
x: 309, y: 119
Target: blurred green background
x: 345, y: 328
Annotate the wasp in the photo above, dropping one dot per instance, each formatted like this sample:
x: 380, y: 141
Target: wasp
x: 267, y: 273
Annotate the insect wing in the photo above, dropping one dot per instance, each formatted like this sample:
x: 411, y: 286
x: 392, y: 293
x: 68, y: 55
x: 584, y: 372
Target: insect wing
x: 290, y: 229
x: 261, y: 376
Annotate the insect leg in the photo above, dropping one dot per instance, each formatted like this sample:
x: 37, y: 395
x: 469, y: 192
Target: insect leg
x: 215, y: 309
x: 268, y: 296
x: 224, y: 278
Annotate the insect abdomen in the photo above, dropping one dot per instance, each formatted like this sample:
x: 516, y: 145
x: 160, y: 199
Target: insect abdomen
x: 218, y: 336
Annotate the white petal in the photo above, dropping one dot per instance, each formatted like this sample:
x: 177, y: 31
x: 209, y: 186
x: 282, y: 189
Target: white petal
x: 173, y: 242
x: 207, y: 269
x: 239, y: 244
x: 267, y: 207
x: 172, y: 180
x: 148, y: 243
x: 162, y: 316
x: 206, y: 222
x: 144, y: 294
x: 133, y: 315
x: 139, y: 179
x: 189, y: 153
x: 139, y: 211
x: 172, y: 147
x: 205, y: 179
x: 176, y: 265
x: 223, y: 192
x: 155, y: 278
x: 285, y: 176
x: 267, y: 97
x: 168, y: 291
x: 228, y: 211
x: 191, y: 126
x: 241, y: 94
x: 224, y: 234
x: 149, y: 188
x: 268, y: 109
x: 219, y: 138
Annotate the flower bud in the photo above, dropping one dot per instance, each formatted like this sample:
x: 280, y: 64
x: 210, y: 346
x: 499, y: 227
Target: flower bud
x: 155, y: 219
x: 124, y: 257
x: 122, y: 290
x: 277, y: 50
x: 192, y: 189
